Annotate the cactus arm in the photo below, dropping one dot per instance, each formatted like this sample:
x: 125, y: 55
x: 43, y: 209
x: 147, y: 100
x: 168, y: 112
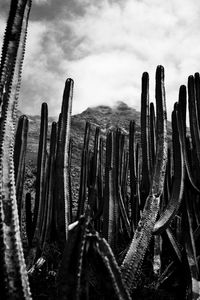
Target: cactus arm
x: 197, y: 92
x: 145, y: 136
x: 70, y: 271
x: 100, y: 256
x: 168, y: 185
x: 111, y: 210
x: 83, y: 177
x: 100, y: 188
x: 125, y: 174
x: 15, y: 30
x: 19, y: 159
x: 66, y: 111
x: 4, y: 66
x: 191, y: 257
x: 48, y: 209
x: 133, y: 181
x: 96, y: 156
x: 194, y: 122
x: 29, y: 221
x: 119, y: 151
x: 70, y: 182
x: 189, y: 167
x: 85, y: 246
x: 132, y: 263
x: 138, y: 175
x: 197, y: 233
x: 124, y: 213
x: 182, y: 121
x: 12, y: 259
x: 131, y: 266
x: 178, y: 183
x: 175, y: 245
x: 40, y: 179
x: 125, y: 182
x: 62, y: 181
x: 166, y: 274
x: 182, y: 102
x: 93, y: 191
x: 108, y: 209
x: 152, y: 138
x: 161, y: 138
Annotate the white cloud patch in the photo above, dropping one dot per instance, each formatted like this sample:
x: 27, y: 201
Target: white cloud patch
x: 107, y: 49
x: 134, y: 39
x: 41, y: 2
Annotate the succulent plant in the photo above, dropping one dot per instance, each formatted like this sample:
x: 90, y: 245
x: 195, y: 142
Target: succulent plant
x: 138, y: 203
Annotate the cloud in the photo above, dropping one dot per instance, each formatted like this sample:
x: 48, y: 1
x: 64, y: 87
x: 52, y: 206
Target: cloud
x: 41, y: 2
x: 118, y: 43
x: 105, y: 47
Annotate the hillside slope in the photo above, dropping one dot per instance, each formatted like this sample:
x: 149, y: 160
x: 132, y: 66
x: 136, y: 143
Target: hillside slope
x: 106, y: 117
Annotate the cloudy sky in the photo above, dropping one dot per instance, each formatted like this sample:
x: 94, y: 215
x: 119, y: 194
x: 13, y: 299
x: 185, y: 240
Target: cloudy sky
x: 105, y: 46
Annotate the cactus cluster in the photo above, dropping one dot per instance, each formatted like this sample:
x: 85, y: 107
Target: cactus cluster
x: 138, y: 202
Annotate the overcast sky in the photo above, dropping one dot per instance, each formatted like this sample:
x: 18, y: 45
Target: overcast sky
x: 105, y: 46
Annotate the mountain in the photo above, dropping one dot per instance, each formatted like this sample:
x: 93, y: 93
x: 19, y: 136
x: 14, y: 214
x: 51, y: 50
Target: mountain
x: 106, y: 117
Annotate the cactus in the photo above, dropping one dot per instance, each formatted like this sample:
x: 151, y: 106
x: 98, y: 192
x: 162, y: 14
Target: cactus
x: 62, y: 161
x: 89, y: 266
x: 89, y: 250
x: 100, y: 188
x: 102, y: 259
x: 50, y: 186
x: 145, y: 184
x: 29, y: 221
x: 133, y: 179
x: 120, y: 199
x: 191, y: 257
x: 19, y: 159
x: 70, y: 271
x: 39, y: 207
x: 182, y: 125
x: 69, y: 183
x: 178, y: 182
x: 93, y: 176
x: 84, y: 173
x: 124, y: 180
x: 194, y: 123
x: 14, y: 280
x: 131, y: 266
x: 152, y: 138
x: 110, y: 210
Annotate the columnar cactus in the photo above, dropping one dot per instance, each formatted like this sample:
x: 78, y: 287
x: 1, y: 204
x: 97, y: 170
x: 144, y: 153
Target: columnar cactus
x: 14, y: 280
x: 40, y: 178
x: 62, y: 165
x: 82, y: 204
x: 133, y: 177
x: 145, y: 126
x: 131, y: 266
x: 19, y: 159
x: 109, y: 210
x: 163, y: 200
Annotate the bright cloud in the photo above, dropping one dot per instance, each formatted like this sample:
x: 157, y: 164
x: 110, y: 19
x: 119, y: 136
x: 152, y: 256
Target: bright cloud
x: 105, y: 47
x: 41, y: 2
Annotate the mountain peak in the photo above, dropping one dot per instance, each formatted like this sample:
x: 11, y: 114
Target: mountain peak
x: 121, y: 106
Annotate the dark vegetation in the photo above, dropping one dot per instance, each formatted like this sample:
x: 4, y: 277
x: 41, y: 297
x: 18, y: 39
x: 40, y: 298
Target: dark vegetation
x: 122, y: 222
